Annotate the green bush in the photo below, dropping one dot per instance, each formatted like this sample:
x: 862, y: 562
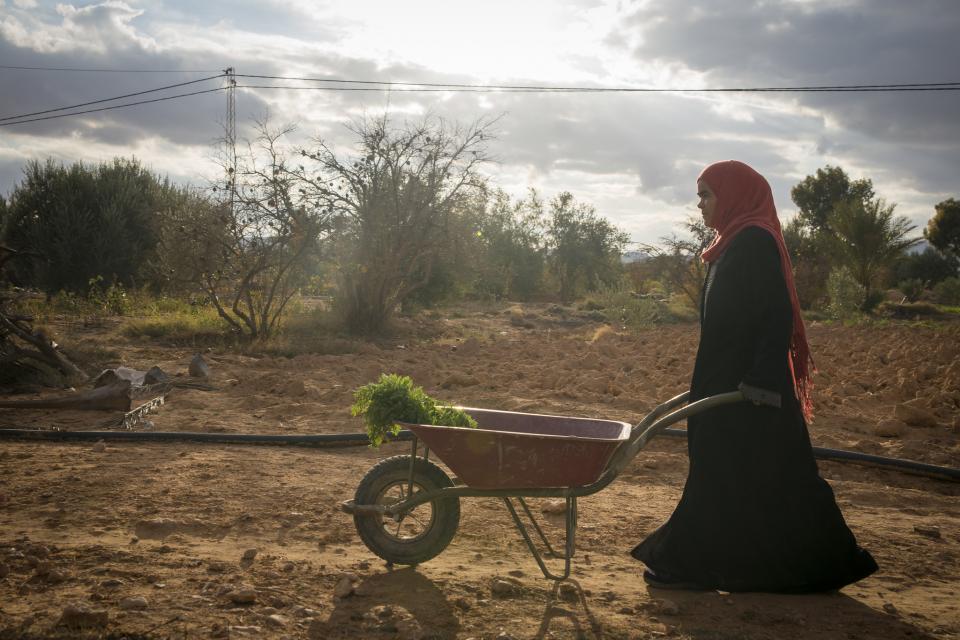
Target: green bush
x: 947, y: 291
x: 912, y: 289
x: 847, y: 296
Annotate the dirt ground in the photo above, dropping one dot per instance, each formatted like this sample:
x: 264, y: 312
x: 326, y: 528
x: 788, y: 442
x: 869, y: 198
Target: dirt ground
x: 148, y: 540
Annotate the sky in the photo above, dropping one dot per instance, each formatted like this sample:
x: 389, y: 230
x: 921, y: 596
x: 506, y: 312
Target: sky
x: 634, y: 156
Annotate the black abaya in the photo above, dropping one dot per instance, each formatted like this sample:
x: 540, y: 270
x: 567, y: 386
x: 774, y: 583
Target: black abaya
x: 755, y: 514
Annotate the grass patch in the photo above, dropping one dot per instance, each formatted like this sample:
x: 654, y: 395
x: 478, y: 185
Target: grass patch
x: 200, y: 326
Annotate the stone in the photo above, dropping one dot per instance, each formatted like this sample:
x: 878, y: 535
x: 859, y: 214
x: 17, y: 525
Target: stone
x: 276, y: 620
x: 889, y: 428
x: 155, y: 375
x: 134, y: 603
x: 889, y: 608
x: 199, y: 367
x: 344, y: 587
x: 112, y: 583
x: 929, y: 532
x: 245, y: 630
x: 249, y: 555
x: 667, y: 607
x: 914, y: 414
x: 4, y: 570
x: 242, y: 596
x: 80, y: 616
x: 554, y: 506
x: 99, y: 446
x: 502, y: 588
x: 55, y: 576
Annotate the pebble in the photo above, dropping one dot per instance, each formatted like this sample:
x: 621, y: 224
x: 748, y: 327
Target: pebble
x: 243, y: 596
x: 99, y: 447
x: 668, y: 607
x: 54, y: 576
x: 500, y: 587
x: 914, y: 414
x: 79, y: 616
x: 890, y: 428
x: 199, y: 369
x: 930, y: 532
x: 276, y: 620
x: 249, y: 555
x: 112, y: 583
x: 344, y: 587
x: 244, y: 630
x: 137, y: 603
x: 554, y: 506
x: 889, y: 608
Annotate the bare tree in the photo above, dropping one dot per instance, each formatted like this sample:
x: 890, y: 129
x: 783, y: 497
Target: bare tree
x: 394, y: 202
x: 677, y: 264
x: 251, y: 252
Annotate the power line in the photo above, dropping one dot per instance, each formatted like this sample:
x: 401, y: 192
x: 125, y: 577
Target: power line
x: 116, y: 106
x: 24, y: 68
x: 126, y: 95
x: 453, y: 88
x: 918, y: 86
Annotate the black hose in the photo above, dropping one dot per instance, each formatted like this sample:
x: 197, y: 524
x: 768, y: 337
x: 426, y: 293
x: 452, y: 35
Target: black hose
x: 326, y: 439
x: 356, y: 439
x: 840, y: 455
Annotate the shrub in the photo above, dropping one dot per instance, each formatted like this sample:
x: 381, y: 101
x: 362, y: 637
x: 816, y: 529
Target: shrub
x: 622, y: 306
x: 911, y: 288
x: 947, y: 292
x: 847, y: 296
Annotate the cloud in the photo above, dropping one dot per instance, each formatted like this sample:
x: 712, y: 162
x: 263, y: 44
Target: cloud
x: 633, y: 155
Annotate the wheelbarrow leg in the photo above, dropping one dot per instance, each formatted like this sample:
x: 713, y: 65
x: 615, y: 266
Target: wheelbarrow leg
x: 569, y: 545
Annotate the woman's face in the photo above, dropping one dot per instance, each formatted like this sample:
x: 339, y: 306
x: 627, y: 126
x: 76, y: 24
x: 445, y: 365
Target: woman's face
x: 707, y: 203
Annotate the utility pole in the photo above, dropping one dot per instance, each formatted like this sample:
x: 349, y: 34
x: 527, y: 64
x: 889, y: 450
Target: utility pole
x: 231, y: 135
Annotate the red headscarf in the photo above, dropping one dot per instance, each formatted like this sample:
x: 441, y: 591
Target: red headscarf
x: 744, y: 199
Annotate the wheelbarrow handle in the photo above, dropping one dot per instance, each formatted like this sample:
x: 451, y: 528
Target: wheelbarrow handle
x: 662, y: 417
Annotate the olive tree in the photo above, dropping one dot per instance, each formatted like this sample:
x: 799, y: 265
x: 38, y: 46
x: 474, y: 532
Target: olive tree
x: 943, y: 229
x: 584, y: 248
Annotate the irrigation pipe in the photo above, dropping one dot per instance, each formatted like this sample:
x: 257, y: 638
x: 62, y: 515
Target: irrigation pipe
x: 356, y: 439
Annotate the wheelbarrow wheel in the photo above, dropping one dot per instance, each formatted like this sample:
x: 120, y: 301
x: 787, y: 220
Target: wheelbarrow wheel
x: 414, y: 536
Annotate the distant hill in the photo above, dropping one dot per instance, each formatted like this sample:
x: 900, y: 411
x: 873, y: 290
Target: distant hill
x: 633, y: 256
x: 920, y: 247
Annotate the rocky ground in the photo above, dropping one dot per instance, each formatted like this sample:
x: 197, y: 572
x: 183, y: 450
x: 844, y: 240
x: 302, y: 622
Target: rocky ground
x: 186, y: 540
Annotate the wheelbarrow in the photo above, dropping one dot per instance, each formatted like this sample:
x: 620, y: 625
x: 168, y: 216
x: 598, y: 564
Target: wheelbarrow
x: 406, y: 508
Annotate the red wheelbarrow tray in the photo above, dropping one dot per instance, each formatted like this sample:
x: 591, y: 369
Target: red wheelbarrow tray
x: 513, y: 450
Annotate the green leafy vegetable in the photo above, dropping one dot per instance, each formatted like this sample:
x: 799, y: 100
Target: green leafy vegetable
x: 394, y: 398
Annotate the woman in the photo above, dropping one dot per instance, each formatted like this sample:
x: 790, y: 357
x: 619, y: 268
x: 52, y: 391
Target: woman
x: 755, y: 514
